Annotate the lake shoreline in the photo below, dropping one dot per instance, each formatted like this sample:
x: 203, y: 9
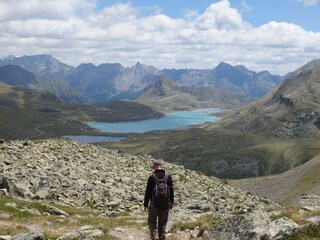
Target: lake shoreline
x: 169, y: 121
x: 110, y: 132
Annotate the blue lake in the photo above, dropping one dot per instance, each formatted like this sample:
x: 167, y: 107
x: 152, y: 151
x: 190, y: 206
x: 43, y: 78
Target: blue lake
x: 169, y: 121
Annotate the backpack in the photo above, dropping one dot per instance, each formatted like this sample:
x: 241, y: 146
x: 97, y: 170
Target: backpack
x: 161, y: 193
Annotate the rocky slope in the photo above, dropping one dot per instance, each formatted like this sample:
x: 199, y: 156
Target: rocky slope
x: 292, y: 110
x: 113, y: 183
x: 165, y: 94
x: 84, y: 175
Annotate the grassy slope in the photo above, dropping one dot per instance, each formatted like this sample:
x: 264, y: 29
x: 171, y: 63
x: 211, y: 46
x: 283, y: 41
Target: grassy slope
x: 223, y: 153
x: 110, y: 112
x: 28, y: 113
x: 14, y: 220
x: 288, y: 186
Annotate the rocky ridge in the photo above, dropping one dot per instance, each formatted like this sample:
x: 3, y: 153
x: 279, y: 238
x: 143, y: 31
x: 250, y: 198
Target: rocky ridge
x: 168, y: 96
x: 113, y: 182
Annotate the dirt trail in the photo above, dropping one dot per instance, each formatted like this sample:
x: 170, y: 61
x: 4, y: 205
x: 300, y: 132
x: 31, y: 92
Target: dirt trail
x: 37, y: 135
x: 130, y: 233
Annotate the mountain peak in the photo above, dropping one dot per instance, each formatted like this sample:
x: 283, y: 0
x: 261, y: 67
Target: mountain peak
x: 160, y: 87
x: 309, y: 66
x: 163, y: 83
x: 43, y: 64
x: 141, y: 66
x: 223, y: 67
x: 223, y: 64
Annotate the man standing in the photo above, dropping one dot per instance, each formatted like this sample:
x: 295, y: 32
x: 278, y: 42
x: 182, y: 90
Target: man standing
x: 159, y: 192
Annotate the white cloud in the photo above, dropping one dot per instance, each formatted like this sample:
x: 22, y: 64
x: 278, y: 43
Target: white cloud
x: 43, y: 9
x: 120, y: 33
x: 308, y: 2
x: 190, y: 13
x: 245, y: 6
x: 220, y: 16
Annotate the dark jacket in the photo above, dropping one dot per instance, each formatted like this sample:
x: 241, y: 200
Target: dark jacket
x: 151, y: 185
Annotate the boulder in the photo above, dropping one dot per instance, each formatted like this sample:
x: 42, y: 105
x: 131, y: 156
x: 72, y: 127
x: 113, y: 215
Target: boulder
x: 28, y: 236
x: 55, y: 211
x: 11, y: 204
x: 5, y: 183
x: 83, y: 233
x: 251, y: 225
x: 282, y: 228
x: 4, y: 192
x: 42, y: 194
x: 310, y: 202
x: 5, y: 237
x: 254, y: 225
x: 313, y: 220
x: 22, y: 189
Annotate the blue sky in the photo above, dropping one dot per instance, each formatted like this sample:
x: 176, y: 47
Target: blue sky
x: 275, y: 35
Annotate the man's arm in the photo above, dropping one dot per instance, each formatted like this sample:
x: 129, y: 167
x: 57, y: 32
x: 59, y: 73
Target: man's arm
x: 170, y: 185
x: 148, y: 192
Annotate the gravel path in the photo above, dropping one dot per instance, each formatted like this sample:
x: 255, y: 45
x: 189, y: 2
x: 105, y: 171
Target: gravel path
x: 129, y: 233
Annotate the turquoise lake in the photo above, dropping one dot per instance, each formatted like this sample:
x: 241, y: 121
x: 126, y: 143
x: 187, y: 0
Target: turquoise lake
x: 169, y: 121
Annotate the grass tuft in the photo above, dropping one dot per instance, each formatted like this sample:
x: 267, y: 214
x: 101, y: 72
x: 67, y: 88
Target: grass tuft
x: 13, y: 229
x: 311, y: 232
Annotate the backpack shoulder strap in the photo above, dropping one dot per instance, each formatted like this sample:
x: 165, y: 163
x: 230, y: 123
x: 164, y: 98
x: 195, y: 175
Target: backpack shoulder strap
x: 155, y: 177
x: 164, y: 179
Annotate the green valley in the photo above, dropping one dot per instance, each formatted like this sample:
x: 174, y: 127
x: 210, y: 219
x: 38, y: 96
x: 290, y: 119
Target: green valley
x: 32, y: 114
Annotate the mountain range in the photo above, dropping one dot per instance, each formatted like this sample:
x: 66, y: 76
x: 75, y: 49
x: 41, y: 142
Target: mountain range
x: 270, y: 135
x: 108, y: 82
x: 17, y: 76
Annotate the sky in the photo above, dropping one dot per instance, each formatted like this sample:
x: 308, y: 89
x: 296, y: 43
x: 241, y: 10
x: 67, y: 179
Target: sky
x: 274, y: 35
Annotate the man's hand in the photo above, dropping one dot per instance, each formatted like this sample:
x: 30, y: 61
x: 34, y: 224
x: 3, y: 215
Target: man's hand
x: 170, y: 206
x: 146, y: 209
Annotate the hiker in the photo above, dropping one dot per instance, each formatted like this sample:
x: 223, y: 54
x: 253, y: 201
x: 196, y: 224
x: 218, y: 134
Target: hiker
x: 158, y: 200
